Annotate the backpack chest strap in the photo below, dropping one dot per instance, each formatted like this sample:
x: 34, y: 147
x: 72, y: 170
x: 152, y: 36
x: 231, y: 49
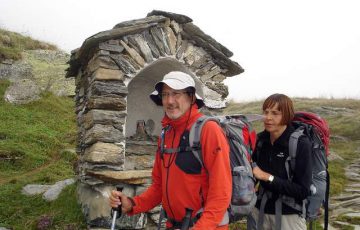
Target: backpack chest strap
x: 164, y: 150
x: 176, y: 150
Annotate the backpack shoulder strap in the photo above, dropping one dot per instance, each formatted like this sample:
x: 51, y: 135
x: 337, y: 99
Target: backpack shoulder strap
x: 162, y: 136
x: 293, y: 143
x: 195, y: 135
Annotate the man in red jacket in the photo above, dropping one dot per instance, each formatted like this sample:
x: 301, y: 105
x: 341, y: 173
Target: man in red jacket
x: 179, y: 181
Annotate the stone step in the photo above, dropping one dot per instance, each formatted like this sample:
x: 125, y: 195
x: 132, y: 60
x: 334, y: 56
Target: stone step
x: 340, y: 211
x: 353, y: 176
x: 128, y: 176
x: 353, y: 214
x: 345, y: 224
x: 353, y: 190
x: 354, y: 203
x: 356, y: 185
x: 343, y: 197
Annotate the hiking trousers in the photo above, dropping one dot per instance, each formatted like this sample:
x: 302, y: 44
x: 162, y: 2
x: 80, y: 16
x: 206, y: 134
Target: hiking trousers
x: 288, y: 222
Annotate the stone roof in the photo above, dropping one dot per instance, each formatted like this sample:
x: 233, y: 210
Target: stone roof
x: 220, y: 54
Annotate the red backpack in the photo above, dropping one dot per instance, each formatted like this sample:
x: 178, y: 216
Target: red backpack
x: 320, y: 125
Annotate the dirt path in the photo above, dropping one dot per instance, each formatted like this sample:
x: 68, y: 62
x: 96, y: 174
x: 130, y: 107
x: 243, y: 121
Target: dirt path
x: 30, y: 173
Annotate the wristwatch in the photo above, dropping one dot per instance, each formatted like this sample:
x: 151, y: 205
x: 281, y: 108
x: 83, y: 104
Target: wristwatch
x: 271, y: 178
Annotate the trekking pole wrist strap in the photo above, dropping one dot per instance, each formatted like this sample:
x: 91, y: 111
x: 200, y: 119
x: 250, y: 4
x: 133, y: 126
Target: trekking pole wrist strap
x: 132, y: 203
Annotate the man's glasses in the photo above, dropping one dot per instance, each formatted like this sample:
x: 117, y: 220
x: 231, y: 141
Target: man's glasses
x: 176, y: 95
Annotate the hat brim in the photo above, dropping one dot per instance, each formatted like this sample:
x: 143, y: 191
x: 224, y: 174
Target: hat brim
x: 155, y: 97
x: 172, y: 83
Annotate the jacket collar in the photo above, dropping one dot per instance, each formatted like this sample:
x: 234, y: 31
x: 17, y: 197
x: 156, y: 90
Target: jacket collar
x: 283, y: 140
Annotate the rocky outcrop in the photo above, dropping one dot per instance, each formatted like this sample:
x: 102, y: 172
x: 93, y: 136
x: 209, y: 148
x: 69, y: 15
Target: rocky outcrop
x: 38, y: 71
x: 22, y: 92
x: 347, y: 204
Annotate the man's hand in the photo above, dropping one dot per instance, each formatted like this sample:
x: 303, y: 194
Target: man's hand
x: 118, y: 198
x: 260, y: 174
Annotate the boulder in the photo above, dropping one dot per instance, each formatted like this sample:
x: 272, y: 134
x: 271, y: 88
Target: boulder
x: 34, y: 189
x: 53, y: 192
x: 22, y: 92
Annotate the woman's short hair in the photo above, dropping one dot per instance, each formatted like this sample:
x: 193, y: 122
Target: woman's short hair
x: 285, y: 106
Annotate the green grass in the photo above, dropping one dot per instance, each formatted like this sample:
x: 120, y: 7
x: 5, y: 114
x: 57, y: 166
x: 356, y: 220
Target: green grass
x: 64, y: 211
x: 34, y: 131
x: 32, y: 140
x: 12, y: 44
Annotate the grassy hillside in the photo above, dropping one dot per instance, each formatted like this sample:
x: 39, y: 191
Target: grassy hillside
x: 12, y: 44
x: 33, y: 143
x: 33, y: 137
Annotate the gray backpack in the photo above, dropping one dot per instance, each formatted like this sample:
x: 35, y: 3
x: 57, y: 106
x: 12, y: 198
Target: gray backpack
x: 241, y: 138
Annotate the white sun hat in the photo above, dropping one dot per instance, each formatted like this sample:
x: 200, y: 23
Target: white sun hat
x: 176, y: 80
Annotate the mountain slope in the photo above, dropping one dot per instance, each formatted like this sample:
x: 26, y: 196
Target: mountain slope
x: 12, y: 44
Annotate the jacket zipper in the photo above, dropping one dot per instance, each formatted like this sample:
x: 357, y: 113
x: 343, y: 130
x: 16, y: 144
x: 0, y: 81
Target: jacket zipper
x: 170, y: 161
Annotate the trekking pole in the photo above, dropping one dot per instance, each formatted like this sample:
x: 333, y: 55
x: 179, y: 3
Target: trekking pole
x: 115, y: 211
x: 187, y: 218
x: 161, y: 217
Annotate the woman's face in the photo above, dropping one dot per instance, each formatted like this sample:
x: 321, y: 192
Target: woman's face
x: 272, y: 119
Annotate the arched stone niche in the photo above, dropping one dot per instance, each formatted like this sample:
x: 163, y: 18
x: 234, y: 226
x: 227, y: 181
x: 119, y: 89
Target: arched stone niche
x: 139, y: 107
x: 118, y: 124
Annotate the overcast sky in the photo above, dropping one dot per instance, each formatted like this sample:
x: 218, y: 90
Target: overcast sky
x: 305, y: 48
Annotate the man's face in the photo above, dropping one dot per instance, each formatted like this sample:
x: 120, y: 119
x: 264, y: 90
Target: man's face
x: 175, y: 102
x: 272, y: 119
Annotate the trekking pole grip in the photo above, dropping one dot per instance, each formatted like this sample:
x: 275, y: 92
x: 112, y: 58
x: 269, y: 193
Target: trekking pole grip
x: 187, y: 219
x: 115, y: 211
x: 118, y: 208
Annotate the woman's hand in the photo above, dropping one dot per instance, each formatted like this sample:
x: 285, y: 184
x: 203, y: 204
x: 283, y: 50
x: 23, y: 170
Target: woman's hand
x: 260, y: 174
